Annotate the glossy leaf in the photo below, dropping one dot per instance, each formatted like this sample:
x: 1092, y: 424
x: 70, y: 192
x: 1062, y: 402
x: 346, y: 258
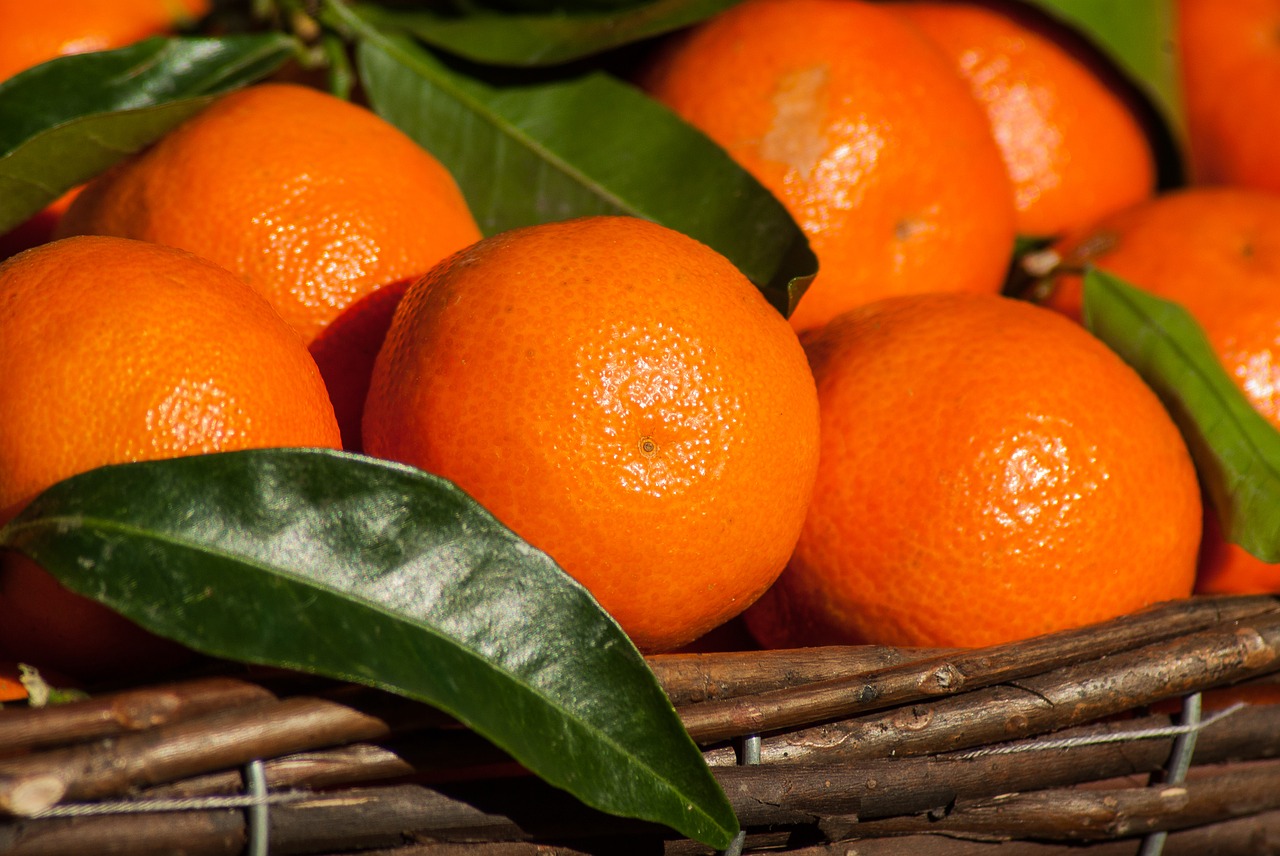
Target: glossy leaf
x: 563, y: 147
x: 366, y: 571
x: 1237, y: 451
x: 541, y: 37
x: 65, y: 121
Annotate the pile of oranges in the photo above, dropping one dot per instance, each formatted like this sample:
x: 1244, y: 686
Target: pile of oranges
x: 916, y: 457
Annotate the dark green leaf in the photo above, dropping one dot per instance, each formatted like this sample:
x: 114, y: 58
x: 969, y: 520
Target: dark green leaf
x: 583, y: 145
x: 367, y: 571
x: 1237, y: 451
x: 541, y: 38
x: 65, y: 121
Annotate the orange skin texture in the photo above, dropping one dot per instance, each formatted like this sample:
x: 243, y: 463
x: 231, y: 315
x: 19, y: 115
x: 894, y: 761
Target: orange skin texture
x: 866, y: 134
x: 988, y: 472
x: 620, y: 396
x: 1073, y: 149
x: 1215, y: 251
x: 114, y: 351
x: 37, y: 32
x: 1230, y: 60
x: 314, y: 201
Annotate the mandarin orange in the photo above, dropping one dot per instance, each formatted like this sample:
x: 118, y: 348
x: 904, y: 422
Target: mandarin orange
x: 623, y: 398
x: 1216, y: 252
x: 1073, y: 147
x: 989, y: 471
x: 117, y: 350
x: 863, y: 130
x: 314, y: 201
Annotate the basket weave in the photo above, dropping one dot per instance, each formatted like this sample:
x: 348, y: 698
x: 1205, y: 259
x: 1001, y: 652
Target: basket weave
x: 1151, y: 733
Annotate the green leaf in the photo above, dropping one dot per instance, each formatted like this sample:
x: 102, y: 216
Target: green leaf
x: 1136, y: 36
x: 541, y: 38
x: 65, y: 121
x: 366, y: 571
x: 563, y: 147
x: 1236, y: 450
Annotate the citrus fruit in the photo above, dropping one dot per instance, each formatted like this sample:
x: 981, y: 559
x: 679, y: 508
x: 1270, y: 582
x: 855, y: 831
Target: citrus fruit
x: 1229, y: 57
x: 314, y: 201
x: 117, y: 350
x: 1073, y: 147
x: 989, y: 471
x: 655, y: 433
x: 1216, y: 252
x: 863, y: 130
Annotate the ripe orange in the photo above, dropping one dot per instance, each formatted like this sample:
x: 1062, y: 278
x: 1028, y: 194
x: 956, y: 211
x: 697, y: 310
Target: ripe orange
x: 1072, y: 146
x: 988, y: 471
x: 314, y: 201
x: 864, y: 131
x: 1215, y: 251
x: 1230, y: 64
x: 116, y: 350
x: 656, y: 433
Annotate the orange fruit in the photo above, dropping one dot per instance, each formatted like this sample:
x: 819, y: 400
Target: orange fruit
x: 1073, y: 148
x: 1229, y: 59
x: 116, y: 350
x: 989, y: 471
x: 863, y: 130
x: 314, y: 201
x: 657, y: 437
x: 34, y: 33
x: 1215, y: 251
x: 11, y: 686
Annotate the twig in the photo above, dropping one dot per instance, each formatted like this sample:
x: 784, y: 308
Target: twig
x: 948, y: 674
x: 1067, y: 696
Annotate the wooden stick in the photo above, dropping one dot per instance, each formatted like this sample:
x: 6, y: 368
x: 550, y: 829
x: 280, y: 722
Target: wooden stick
x: 122, y: 712
x: 225, y: 738
x: 1064, y: 697
x: 948, y: 674
x: 1086, y: 814
x: 695, y: 678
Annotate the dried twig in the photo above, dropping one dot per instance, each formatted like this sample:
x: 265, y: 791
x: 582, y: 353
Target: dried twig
x: 948, y: 674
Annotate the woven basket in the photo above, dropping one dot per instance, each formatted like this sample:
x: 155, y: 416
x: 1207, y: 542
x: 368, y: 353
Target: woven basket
x: 1151, y: 733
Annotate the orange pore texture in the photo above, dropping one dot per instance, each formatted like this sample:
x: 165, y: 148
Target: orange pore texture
x: 1215, y: 251
x: 33, y: 32
x: 1073, y: 149
x: 988, y: 472
x: 623, y: 398
x: 1229, y: 57
x: 113, y: 351
x: 864, y: 131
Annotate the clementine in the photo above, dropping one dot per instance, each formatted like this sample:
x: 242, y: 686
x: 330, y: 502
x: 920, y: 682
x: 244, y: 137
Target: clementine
x: 863, y: 130
x: 117, y: 350
x: 1073, y: 147
x: 656, y: 433
x: 314, y: 201
x: 1229, y: 56
x: 1216, y: 252
x: 989, y: 471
